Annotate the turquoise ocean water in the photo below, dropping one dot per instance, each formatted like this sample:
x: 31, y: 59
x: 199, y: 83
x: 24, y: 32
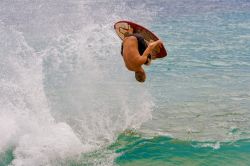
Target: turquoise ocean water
x: 67, y: 99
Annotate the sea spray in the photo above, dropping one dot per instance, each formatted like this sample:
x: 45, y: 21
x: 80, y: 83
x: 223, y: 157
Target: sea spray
x: 26, y: 122
x: 94, y: 93
x: 64, y: 89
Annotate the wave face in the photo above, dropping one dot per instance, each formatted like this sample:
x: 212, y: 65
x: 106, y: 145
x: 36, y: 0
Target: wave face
x: 161, y: 150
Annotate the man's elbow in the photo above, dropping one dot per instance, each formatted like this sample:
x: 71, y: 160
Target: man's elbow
x: 143, y: 60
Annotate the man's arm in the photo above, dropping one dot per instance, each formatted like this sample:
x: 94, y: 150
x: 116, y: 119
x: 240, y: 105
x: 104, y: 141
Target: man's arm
x: 142, y: 59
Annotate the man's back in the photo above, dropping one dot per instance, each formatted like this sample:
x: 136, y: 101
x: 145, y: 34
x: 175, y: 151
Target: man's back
x: 132, y: 58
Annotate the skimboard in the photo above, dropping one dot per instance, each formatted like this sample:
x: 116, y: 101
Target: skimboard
x: 123, y: 27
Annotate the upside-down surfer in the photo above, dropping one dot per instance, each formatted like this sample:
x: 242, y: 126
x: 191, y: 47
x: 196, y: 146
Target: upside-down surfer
x: 136, y: 52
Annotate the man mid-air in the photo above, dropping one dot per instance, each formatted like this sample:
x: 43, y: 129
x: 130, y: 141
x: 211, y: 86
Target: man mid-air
x: 136, y: 52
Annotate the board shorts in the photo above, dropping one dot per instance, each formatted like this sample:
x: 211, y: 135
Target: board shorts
x: 142, y: 45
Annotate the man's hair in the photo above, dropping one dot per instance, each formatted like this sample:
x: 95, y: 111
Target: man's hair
x: 140, y: 76
x: 142, y: 45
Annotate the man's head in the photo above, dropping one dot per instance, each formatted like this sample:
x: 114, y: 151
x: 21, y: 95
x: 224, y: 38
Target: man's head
x: 140, y: 76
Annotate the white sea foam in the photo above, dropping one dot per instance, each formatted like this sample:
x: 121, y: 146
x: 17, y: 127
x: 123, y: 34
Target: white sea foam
x: 64, y: 90
x: 26, y: 122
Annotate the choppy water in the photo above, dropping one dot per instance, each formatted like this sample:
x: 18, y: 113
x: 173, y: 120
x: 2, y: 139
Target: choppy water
x: 66, y: 98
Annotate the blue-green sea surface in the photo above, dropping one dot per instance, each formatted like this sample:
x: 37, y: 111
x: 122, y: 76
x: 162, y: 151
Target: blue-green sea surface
x: 67, y: 99
x: 163, y: 151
